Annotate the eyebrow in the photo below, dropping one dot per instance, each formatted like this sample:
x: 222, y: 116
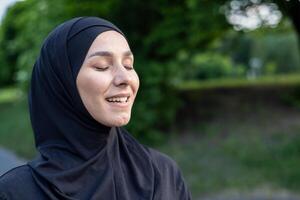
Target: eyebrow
x: 109, y: 54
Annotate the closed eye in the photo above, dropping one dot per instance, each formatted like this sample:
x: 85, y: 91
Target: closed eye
x: 101, y: 68
x: 128, y: 67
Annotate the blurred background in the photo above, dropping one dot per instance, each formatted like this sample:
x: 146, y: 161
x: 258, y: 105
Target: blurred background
x: 220, y: 86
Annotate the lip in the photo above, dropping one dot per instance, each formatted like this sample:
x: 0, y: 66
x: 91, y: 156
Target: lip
x: 119, y: 95
x: 119, y: 105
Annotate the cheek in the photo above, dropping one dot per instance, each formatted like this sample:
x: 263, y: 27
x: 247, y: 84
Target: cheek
x: 97, y: 84
x: 136, y: 81
x: 92, y: 86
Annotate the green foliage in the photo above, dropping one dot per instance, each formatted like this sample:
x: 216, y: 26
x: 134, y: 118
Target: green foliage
x: 292, y: 80
x: 292, y: 98
x: 280, y: 49
x: 156, y: 102
x: 237, y: 151
x: 244, y: 160
x: 211, y: 66
x: 182, y: 28
x: 6, y: 73
x: 237, y: 45
x: 10, y: 94
x: 275, y: 158
x: 8, y: 51
x: 148, y: 27
x: 22, y: 31
x: 270, y: 68
x: 264, y: 51
x: 159, y: 33
x: 16, y: 133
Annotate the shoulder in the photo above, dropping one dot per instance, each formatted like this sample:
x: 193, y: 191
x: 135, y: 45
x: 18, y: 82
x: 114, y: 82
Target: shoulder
x: 163, y: 161
x: 166, y: 166
x: 167, y: 174
x: 15, y: 176
x: 170, y: 174
x: 16, y: 182
x: 12, y: 180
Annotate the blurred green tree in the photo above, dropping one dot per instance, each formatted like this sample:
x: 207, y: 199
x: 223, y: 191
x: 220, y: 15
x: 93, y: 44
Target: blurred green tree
x: 292, y: 10
x: 159, y: 32
x: 22, y: 31
x: 289, y: 8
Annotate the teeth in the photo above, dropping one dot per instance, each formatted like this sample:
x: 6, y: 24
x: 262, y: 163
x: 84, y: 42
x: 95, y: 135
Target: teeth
x: 118, y: 99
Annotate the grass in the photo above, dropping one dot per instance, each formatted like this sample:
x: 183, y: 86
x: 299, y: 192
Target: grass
x: 212, y: 162
x: 9, y: 94
x: 15, y: 128
x: 265, y: 81
x: 242, y: 138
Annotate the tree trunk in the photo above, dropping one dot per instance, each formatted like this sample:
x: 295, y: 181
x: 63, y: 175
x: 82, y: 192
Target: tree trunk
x: 292, y: 9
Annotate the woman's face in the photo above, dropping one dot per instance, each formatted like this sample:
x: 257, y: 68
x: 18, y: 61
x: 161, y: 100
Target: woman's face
x: 107, y: 82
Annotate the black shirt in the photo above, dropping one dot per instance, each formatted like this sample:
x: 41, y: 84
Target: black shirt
x: 18, y: 183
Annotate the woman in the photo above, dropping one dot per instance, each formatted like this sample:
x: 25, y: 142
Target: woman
x: 82, y: 90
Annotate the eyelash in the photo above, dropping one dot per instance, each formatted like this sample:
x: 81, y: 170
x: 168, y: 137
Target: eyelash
x: 105, y: 68
x: 101, y: 68
x: 129, y: 67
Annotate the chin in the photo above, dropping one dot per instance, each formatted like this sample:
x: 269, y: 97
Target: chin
x: 121, y: 121
x: 118, y: 121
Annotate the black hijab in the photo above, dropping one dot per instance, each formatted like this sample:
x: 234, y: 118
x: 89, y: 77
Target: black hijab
x: 79, y: 157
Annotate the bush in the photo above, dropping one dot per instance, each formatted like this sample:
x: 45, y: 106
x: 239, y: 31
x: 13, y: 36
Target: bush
x: 156, y: 103
x: 212, y: 65
x: 30, y: 21
x: 292, y: 97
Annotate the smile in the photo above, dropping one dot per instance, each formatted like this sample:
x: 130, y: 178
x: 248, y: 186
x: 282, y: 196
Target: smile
x: 118, y: 99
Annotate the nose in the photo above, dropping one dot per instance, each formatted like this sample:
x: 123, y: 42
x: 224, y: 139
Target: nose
x: 122, y: 76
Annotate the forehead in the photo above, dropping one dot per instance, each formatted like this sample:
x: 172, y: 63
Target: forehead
x: 110, y: 41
